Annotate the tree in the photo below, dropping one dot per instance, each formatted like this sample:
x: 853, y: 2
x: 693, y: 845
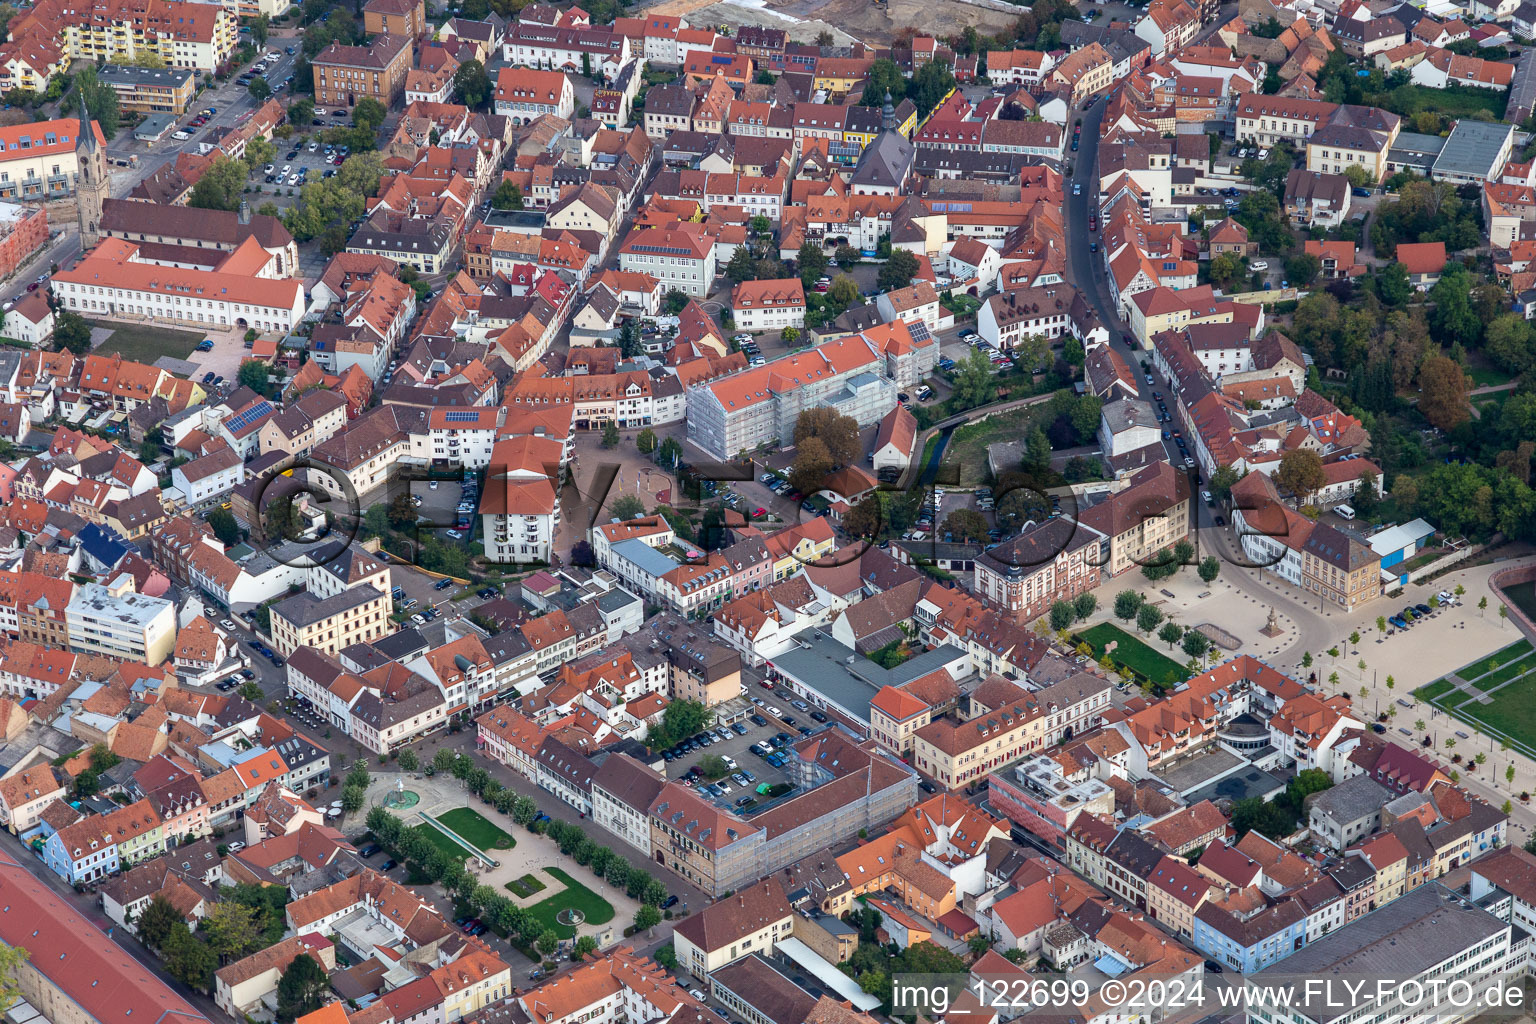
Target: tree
x: 1224, y: 269
x: 813, y: 262
x: 645, y: 441
x: 742, y: 266
x: 1148, y: 617
x: 1084, y: 604
x: 1127, y: 604
x: 471, y: 85
x: 507, y: 196
x: 231, y: 931
x: 444, y: 760
x: 1444, y: 387
x: 352, y: 798
x: 301, y: 111
x: 610, y: 434
x: 843, y: 292
x: 848, y: 256
x: 221, y: 185
x: 253, y: 374
x: 260, y: 89
x: 524, y: 810
x: 408, y: 761
x: 1300, y: 472
x: 1062, y: 615
x: 673, y: 302
x: 585, y: 944
x: 189, y: 960
x: 301, y: 989
x: 71, y: 332
x: 1366, y: 497
x: 1195, y: 643
x: 258, y: 151
x: 156, y: 921
x: 1209, y: 568
x: 898, y: 270
x: 789, y: 335
x: 1170, y: 634
x: 100, y: 100
x: 647, y: 917
x: 713, y: 766
x: 631, y: 344
x: 867, y: 518
x: 1221, y: 483
x: 680, y: 720
x: 883, y: 77
x: 932, y: 82
x: 547, y: 942
x: 224, y: 527
x: 975, y: 382
x: 369, y: 114
x: 966, y: 524
x: 1302, y: 269
x: 813, y: 461
x: 1392, y: 285
x: 626, y: 507
x: 838, y: 432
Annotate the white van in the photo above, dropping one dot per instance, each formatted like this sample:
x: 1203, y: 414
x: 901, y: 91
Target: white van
x: 1344, y: 511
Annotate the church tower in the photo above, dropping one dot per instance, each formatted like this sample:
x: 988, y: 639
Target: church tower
x: 92, y: 184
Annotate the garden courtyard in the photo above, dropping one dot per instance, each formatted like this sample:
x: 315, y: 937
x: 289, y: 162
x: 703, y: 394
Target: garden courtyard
x: 526, y: 863
x: 1495, y: 694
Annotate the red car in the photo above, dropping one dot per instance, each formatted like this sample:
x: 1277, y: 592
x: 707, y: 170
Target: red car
x: 758, y: 513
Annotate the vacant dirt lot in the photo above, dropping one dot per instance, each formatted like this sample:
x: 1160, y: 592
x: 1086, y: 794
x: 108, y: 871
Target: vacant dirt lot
x: 868, y: 22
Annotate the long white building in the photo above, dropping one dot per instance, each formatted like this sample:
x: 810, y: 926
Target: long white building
x: 117, y: 282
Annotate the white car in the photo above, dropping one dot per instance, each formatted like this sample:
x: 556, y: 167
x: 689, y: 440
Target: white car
x: 1259, y: 265
x: 1077, y: 189
x: 775, y: 712
x: 180, y: 136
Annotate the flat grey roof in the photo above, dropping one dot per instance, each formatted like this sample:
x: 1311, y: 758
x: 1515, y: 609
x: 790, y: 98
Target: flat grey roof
x: 127, y: 74
x: 850, y: 680
x: 1472, y: 148
x: 644, y: 557
x: 1413, y: 142
x: 1249, y: 783
x: 1400, y: 940
x: 1200, y: 770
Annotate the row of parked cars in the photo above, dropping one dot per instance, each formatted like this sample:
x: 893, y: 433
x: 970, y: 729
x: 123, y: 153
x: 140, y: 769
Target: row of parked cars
x: 1414, y: 612
x: 707, y: 738
x: 266, y: 652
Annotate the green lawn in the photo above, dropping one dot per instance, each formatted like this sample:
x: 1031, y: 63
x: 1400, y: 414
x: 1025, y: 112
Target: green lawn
x: 1454, y: 101
x: 1432, y: 690
x: 526, y: 886
x: 474, y: 829
x: 143, y: 343
x: 1130, y: 652
x: 1507, y: 673
x: 1510, y: 714
x: 1511, y: 711
x: 440, y: 839
x: 597, y: 909
x: 1503, y: 656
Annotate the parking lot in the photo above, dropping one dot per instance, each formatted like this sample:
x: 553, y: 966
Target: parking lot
x: 302, y: 161
x: 763, y: 730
